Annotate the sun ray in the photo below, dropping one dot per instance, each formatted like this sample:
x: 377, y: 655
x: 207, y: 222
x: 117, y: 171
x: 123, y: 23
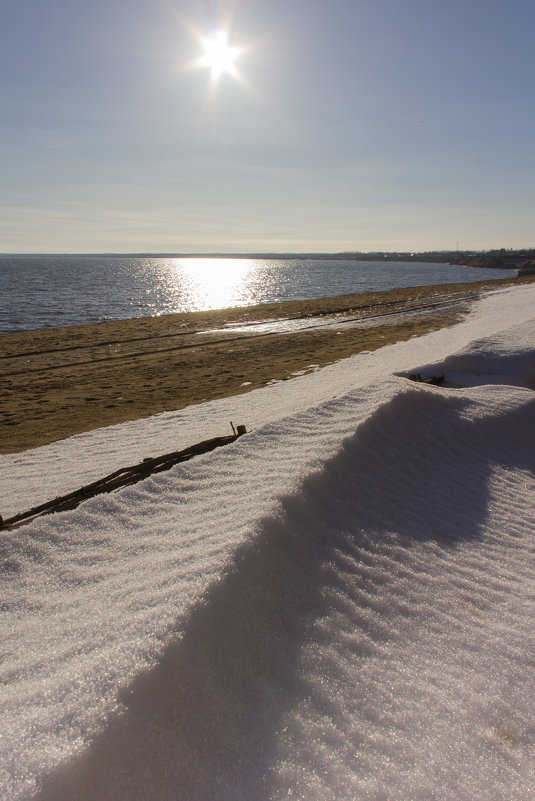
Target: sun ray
x: 218, y: 55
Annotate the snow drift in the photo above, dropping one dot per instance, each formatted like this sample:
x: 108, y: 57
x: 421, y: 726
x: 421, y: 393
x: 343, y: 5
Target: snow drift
x: 337, y: 606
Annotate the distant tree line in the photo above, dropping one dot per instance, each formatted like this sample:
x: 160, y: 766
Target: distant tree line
x: 504, y: 258
x: 497, y: 259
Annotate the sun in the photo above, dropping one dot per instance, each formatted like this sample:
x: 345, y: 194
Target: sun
x: 218, y: 55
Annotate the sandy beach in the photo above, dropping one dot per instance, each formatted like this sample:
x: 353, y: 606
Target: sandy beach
x: 63, y: 381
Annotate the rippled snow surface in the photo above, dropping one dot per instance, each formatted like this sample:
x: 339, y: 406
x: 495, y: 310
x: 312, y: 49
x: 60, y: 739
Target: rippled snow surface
x: 338, y: 606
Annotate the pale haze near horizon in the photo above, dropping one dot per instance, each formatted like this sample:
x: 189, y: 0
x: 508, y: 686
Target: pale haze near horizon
x: 349, y: 126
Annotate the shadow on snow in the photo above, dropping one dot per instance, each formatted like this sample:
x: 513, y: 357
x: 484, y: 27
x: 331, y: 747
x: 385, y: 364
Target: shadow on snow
x: 204, y: 723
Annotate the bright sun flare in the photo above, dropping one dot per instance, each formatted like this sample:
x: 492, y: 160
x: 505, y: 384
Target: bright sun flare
x: 218, y: 55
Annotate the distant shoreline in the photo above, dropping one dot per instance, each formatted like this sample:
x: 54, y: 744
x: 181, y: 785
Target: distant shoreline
x: 491, y: 259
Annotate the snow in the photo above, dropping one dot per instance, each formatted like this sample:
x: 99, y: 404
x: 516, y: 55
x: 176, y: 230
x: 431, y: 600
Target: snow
x: 338, y: 605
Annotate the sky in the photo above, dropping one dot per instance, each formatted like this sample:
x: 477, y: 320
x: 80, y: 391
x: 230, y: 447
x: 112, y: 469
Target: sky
x: 343, y: 125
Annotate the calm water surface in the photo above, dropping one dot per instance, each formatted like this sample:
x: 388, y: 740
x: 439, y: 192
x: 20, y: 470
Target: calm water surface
x: 52, y: 291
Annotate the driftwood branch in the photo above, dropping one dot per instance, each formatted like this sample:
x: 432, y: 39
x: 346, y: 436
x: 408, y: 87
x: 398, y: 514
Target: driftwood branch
x: 120, y: 478
x: 435, y: 380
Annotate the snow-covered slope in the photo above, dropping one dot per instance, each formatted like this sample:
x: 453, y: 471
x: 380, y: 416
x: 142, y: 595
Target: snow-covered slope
x: 337, y: 606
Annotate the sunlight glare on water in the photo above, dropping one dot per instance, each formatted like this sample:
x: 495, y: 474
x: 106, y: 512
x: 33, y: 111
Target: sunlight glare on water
x: 213, y: 283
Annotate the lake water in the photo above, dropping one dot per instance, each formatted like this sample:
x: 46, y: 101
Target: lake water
x: 52, y: 291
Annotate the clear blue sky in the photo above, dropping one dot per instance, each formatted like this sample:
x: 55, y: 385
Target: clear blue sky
x: 352, y: 125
